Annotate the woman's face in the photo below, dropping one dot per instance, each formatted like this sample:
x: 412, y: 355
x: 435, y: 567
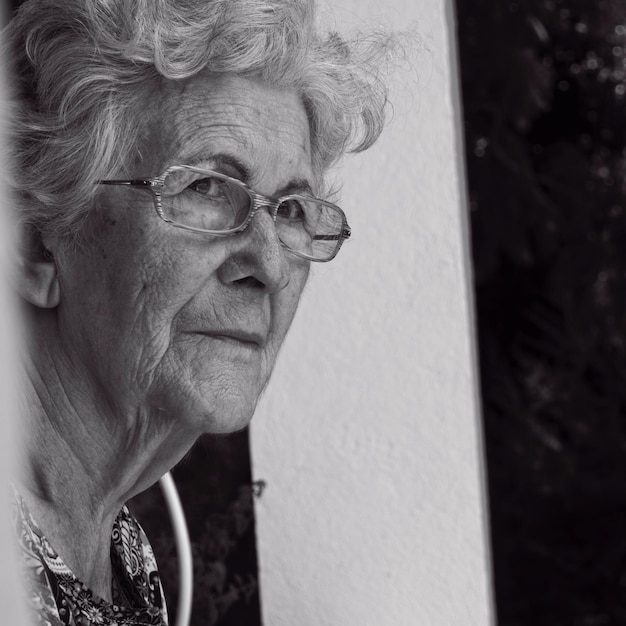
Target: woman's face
x: 187, y: 325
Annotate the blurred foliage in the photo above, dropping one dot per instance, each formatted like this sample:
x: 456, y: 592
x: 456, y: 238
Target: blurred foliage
x: 215, y: 489
x: 544, y: 96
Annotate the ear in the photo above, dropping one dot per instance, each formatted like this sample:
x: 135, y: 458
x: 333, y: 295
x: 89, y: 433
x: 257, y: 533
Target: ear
x: 38, y: 281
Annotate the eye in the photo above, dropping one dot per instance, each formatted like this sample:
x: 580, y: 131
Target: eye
x: 292, y: 210
x: 210, y: 187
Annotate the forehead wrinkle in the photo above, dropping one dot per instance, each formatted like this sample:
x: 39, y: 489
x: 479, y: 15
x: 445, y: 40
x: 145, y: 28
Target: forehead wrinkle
x: 233, y: 104
x: 240, y: 127
x: 197, y: 144
x: 193, y: 143
x: 207, y: 116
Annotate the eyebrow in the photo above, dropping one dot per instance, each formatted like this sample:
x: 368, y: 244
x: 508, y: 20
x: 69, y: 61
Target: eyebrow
x: 223, y: 158
x: 294, y: 186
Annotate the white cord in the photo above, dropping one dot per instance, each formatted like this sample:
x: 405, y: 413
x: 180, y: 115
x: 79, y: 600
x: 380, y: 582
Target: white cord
x: 183, y: 549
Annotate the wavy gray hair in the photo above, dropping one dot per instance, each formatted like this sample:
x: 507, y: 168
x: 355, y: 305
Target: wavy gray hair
x: 83, y: 71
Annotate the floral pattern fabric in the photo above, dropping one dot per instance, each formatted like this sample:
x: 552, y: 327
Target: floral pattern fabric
x: 57, y: 598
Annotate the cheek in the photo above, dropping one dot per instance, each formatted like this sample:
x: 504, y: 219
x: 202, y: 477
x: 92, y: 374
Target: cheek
x: 151, y: 271
x: 124, y: 296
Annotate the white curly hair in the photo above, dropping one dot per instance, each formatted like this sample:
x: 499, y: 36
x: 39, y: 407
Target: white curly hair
x: 82, y: 71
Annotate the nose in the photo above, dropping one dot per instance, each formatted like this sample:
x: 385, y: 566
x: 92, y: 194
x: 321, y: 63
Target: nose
x: 258, y: 255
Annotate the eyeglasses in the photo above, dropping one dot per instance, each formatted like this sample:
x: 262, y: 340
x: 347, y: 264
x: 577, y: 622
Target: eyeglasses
x: 205, y: 201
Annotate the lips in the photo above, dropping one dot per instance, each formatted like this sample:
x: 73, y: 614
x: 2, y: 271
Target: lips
x: 254, y: 339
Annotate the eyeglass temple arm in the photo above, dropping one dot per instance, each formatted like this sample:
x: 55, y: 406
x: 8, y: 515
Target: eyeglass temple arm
x: 132, y: 183
x: 344, y: 235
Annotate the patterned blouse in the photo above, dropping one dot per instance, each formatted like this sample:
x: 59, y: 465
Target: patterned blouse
x: 57, y: 598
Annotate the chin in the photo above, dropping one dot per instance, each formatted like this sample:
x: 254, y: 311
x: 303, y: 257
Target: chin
x: 212, y: 398
x: 225, y: 424
x: 223, y: 413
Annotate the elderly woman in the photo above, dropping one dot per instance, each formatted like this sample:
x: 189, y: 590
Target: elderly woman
x: 168, y: 162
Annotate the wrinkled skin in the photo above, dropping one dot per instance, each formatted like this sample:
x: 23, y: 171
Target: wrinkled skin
x: 152, y: 335
x: 146, y: 334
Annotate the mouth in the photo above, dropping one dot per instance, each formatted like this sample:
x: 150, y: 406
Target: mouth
x: 240, y: 337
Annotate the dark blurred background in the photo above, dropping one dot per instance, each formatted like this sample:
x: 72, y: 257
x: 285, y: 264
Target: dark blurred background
x: 544, y: 97
x: 214, y: 483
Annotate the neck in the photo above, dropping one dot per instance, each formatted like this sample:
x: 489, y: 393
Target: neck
x: 83, y: 460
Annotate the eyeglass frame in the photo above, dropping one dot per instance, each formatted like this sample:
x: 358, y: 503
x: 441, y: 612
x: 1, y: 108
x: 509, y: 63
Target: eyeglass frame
x: 258, y: 202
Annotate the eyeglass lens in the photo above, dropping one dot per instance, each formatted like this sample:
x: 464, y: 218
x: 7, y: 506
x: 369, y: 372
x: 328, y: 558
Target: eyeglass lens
x: 207, y: 202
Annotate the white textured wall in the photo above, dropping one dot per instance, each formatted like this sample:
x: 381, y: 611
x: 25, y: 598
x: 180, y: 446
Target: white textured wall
x: 368, y: 435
